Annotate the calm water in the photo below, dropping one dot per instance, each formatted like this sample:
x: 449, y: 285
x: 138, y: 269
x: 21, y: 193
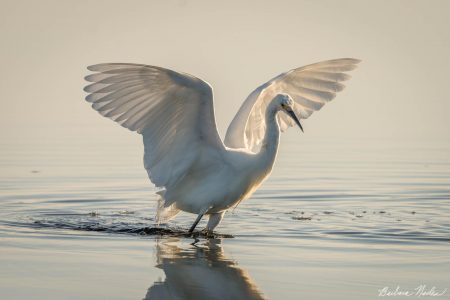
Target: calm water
x: 336, y: 220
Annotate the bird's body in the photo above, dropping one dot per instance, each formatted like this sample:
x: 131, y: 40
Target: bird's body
x: 184, y: 154
x: 227, y: 177
x: 220, y: 188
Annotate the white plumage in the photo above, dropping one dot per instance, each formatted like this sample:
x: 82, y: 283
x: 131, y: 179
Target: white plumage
x: 184, y: 154
x: 310, y: 86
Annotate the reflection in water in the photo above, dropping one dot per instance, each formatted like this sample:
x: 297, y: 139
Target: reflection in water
x: 200, y: 272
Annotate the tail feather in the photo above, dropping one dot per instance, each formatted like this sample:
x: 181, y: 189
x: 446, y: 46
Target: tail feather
x: 165, y: 214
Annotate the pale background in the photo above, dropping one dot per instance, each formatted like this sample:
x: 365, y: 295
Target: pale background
x: 399, y: 91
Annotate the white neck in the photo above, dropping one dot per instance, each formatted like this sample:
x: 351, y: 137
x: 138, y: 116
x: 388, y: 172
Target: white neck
x: 271, y: 139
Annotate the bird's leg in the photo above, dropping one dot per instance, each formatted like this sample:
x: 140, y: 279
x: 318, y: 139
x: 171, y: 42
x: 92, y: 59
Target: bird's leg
x: 214, y: 220
x: 199, y: 217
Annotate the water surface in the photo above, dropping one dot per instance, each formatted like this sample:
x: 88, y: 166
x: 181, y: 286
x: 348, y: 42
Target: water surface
x: 338, y: 219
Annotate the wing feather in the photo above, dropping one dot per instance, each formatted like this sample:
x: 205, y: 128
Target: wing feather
x: 171, y: 110
x: 310, y: 87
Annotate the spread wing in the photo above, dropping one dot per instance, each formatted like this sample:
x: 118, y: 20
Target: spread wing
x: 310, y: 86
x: 173, y: 111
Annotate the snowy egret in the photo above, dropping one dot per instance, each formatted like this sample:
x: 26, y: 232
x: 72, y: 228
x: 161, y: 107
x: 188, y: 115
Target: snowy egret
x: 183, y: 152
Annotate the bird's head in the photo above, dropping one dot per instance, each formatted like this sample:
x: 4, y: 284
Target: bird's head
x: 286, y: 104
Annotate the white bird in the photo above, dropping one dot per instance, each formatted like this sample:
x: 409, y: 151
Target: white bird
x: 184, y: 154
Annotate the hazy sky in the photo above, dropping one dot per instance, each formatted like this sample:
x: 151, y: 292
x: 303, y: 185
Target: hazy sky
x: 399, y: 90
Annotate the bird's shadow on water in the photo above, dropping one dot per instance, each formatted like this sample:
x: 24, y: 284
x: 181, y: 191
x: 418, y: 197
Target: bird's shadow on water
x: 200, y: 271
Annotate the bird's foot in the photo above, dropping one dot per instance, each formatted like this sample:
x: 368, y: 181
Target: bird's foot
x: 207, y: 233
x: 204, y: 233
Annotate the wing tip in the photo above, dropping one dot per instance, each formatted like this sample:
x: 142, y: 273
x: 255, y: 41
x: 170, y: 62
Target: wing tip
x: 87, y: 88
x: 98, y: 67
x: 105, y: 67
x: 345, y: 60
x: 352, y: 59
x: 90, y: 78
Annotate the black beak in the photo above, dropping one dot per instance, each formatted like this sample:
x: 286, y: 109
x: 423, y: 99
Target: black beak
x: 293, y: 116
